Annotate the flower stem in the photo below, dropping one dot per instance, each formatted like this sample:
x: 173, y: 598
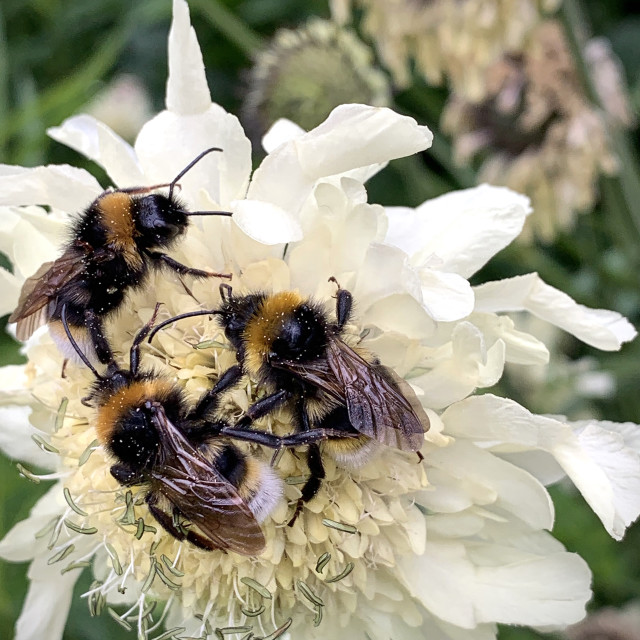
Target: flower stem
x: 231, y: 27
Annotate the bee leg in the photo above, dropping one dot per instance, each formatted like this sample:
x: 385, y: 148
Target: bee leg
x: 134, y: 352
x: 314, y: 463
x: 167, y: 522
x: 344, y: 304
x: 314, y: 482
x: 63, y: 372
x: 96, y: 331
x: 163, y: 260
x: 263, y: 407
x: 226, y: 292
x: 209, y: 400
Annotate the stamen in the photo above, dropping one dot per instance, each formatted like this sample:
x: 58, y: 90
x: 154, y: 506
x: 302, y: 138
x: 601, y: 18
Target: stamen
x: 340, y: 526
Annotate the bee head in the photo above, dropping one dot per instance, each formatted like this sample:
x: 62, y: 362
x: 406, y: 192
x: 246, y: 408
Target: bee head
x: 135, y: 440
x: 159, y: 220
x: 284, y: 326
x: 127, y: 422
x: 301, y: 335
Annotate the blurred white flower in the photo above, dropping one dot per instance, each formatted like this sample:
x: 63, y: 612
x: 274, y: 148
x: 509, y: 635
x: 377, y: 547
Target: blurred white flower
x: 123, y: 105
x: 537, y: 129
x: 443, y: 549
x: 449, y: 40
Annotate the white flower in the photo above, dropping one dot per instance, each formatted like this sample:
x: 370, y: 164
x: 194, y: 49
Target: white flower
x: 445, y: 548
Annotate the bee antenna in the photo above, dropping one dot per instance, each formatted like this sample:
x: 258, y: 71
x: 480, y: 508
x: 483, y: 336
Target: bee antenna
x: 74, y: 344
x: 209, y: 213
x: 189, y: 167
x: 190, y: 314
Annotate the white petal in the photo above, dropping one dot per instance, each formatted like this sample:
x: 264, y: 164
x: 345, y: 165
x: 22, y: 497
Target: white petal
x: 521, y: 348
x: 600, y: 328
x: 224, y: 175
x: 46, y: 608
x: 520, y: 589
x: 539, y: 464
x: 446, y: 296
x: 463, y: 228
x: 20, y: 544
x: 444, y: 565
x: 23, y: 242
x: 457, y: 374
x: 16, y: 441
x: 10, y: 287
x: 59, y: 186
x: 600, y: 463
x: 281, y: 131
x: 515, y: 490
x: 187, y: 88
x: 385, y: 272
x: 99, y: 143
x: 265, y: 222
x: 613, y: 489
x: 353, y: 136
x: 540, y: 592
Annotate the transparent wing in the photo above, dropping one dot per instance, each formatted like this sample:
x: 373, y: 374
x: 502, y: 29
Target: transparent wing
x: 380, y: 403
x: 210, y: 502
x: 38, y: 296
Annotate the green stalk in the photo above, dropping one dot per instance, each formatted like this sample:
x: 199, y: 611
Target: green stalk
x: 229, y: 25
x: 622, y: 191
x: 58, y: 101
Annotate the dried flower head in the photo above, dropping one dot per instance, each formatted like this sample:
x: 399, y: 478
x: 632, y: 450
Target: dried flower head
x: 538, y: 130
x: 305, y: 72
x: 393, y: 548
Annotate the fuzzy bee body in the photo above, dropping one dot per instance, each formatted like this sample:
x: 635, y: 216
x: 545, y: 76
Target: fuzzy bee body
x: 288, y: 344
x: 113, y: 245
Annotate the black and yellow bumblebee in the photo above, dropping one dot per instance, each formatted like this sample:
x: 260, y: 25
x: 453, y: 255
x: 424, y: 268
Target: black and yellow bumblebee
x: 287, y: 343
x: 113, y: 245
x: 199, y: 485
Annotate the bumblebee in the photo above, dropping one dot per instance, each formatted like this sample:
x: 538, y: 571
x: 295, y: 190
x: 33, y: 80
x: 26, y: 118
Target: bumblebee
x: 200, y: 486
x: 288, y: 344
x: 113, y: 245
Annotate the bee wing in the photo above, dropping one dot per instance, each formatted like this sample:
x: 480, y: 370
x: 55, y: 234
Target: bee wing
x: 210, y: 502
x: 38, y: 295
x: 380, y: 403
x: 317, y: 373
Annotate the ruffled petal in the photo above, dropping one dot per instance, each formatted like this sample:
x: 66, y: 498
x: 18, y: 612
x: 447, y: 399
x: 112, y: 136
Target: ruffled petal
x: 222, y: 175
x: 602, y: 465
x: 265, y: 222
x: 460, y: 368
x: 60, y: 186
x: 191, y: 124
x: 520, y: 588
x: 280, y: 132
x: 514, y: 490
x: 28, y: 244
x: 463, y: 228
x: 446, y: 296
x: 99, y: 143
x: 600, y: 328
x: 353, y: 136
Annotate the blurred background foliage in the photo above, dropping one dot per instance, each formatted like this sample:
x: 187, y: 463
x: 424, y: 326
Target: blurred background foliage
x: 58, y: 58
